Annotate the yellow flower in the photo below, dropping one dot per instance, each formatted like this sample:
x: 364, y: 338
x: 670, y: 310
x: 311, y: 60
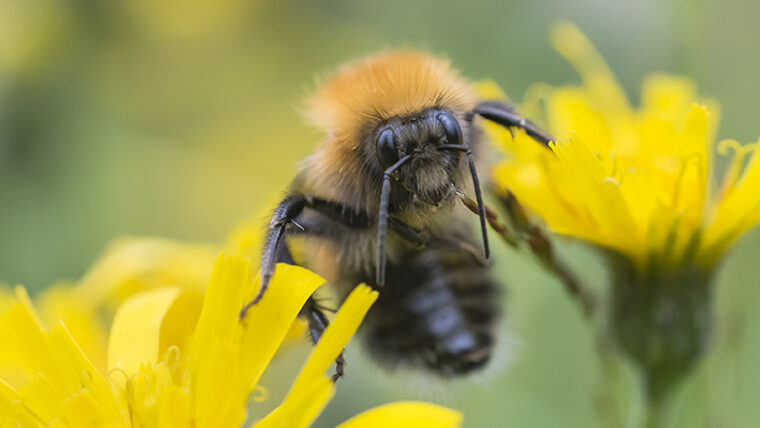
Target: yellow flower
x: 128, y: 266
x: 162, y: 372
x: 637, y: 182
x: 133, y: 264
x: 632, y: 179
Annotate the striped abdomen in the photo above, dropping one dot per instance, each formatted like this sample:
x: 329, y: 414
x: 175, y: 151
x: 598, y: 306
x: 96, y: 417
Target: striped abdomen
x: 438, y: 310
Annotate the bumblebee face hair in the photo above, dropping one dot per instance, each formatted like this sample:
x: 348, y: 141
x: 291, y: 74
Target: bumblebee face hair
x: 428, y: 177
x: 395, y: 90
x: 396, y: 118
x: 421, y: 153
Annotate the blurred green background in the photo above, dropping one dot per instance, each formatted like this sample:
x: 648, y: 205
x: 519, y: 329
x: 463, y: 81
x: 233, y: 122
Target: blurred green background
x: 179, y: 118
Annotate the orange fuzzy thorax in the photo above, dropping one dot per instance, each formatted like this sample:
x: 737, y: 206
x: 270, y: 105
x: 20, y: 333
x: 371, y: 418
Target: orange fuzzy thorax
x: 396, y: 83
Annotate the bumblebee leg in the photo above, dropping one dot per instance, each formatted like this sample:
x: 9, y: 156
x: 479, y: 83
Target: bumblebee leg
x: 290, y: 208
x: 285, y: 213
x: 505, y: 115
x: 348, y: 216
x: 284, y: 216
x: 318, y: 323
x: 359, y: 219
x: 416, y: 236
x: 314, y: 314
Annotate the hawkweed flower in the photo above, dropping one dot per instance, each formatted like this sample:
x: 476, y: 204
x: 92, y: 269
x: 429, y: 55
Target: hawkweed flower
x: 636, y: 182
x: 128, y: 266
x: 134, y: 264
x: 162, y: 372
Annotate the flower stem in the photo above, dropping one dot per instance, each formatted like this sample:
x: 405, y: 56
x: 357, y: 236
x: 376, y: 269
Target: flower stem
x: 657, y: 406
x: 542, y: 248
x: 522, y: 229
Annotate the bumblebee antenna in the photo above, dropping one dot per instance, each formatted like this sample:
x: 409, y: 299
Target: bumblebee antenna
x: 382, y: 219
x: 478, y: 193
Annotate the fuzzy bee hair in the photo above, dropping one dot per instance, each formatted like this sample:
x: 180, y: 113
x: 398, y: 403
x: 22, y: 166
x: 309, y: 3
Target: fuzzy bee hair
x: 396, y: 83
x: 351, y: 104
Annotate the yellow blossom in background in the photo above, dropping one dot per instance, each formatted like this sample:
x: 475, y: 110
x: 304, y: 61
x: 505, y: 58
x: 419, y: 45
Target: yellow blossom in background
x: 133, y: 264
x: 174, y: 20
x: 130, y: 265
x: 30, y: 31
x: 162, y: 372
x: 636, y: 180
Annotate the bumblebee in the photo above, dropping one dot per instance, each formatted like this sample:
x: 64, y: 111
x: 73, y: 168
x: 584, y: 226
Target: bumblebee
x: 377, y: 203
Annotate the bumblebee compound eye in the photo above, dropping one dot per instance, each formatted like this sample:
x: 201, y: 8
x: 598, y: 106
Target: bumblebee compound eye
x: 386, y: 148
x: 450, y: 127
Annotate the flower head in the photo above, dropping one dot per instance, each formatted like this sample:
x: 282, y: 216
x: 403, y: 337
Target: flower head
x: 636, y: 180
x: 132, y: 265
x: 163, y: 372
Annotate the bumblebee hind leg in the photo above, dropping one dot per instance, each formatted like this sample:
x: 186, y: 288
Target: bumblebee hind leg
x: 315, y: 316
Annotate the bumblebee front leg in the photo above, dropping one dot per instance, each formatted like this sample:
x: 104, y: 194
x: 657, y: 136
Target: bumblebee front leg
x: 505, y: 115
x: 285, y: 215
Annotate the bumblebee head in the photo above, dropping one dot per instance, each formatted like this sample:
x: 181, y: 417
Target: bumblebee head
x: 394, y: 119
x: 430, y: 143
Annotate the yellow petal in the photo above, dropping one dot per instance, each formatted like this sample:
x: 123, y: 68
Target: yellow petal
x: 80, y: 375
x: 300, y: 411
x: 136, y: 329
x: 311, y: 380
x: 668, y: 97
x: 227, y: 355
x: 635, y: 180
x: 406, y: 414
x: 12, y: 409
x: 145, y: 392
x: 571, y: 43
x: 490, y: 90
x: 337, y: 335
x: 82, y: 410
x: 61, y: 383
x: 62, y: 303
x: 738, y: 210
x: 134, y: 264
x: 22, y: 339
x: 175, y: 409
